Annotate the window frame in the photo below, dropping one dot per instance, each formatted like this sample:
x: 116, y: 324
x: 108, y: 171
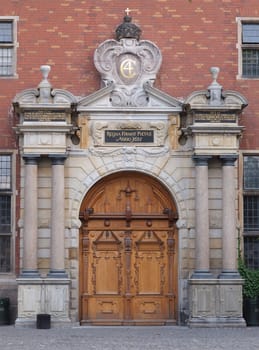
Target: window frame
x: 13, y: 45
x: 252, y: 192
x: 240, y: 46
x: 10, y: 192
x: 247, y: 235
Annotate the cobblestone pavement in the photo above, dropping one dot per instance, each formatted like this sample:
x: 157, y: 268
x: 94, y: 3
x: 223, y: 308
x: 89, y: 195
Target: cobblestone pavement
x: 125, y: 338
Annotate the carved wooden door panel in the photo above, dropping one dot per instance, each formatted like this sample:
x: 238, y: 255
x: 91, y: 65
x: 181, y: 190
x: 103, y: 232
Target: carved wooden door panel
x: 128, y: 268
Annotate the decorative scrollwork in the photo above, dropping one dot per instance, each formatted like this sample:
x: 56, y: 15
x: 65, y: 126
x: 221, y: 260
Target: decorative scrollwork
x: 129, y: 64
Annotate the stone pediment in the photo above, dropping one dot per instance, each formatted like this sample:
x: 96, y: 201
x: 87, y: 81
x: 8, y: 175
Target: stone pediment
x: 44, y: 118
x: 212, y: 119
x: 214, y: 98
x: 44, y: 97
x: 146, y: 98
x: 31, y: 98
x: 229, y: 100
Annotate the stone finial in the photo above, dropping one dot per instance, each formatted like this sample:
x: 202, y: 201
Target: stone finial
x: 127, y: 29
x: 215, y: 88
x: 214, y: 72
x: 45, y: 69
x: 44, y: 86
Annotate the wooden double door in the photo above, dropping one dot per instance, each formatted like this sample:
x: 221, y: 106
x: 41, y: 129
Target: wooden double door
x: 128, y: 253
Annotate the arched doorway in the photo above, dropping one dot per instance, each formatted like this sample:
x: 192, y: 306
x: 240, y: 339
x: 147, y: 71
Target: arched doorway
x: 128, y: 252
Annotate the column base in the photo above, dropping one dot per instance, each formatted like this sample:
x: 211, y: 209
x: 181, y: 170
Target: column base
x: 30, y: 274
x: 229, y: 274
x: 202, y: 274
x: 57, y: 274
x: 43, y: 296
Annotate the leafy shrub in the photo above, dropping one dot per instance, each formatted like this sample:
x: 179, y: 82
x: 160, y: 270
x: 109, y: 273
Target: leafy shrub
x: 251, y: 280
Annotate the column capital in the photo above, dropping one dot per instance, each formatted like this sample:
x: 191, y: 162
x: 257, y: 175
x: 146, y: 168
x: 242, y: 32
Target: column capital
x: 58, y: 159
x: 201, y: 160
x: 31, y: 159
x: 228, y: 159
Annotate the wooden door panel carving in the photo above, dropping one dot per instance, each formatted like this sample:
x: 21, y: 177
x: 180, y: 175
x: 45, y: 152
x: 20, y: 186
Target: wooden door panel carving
x: 106, y: 263
x: 106, y: 273
x: 104, y: 310
x: 147, y: 283
x: 147, y: 309
x: 149, y: 263
x: 128, y: 272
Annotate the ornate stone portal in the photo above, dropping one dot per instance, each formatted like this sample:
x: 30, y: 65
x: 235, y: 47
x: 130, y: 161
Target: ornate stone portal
x: 68, y: 143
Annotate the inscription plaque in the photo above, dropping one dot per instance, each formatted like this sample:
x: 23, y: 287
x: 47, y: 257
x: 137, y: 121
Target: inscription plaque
x: 44, y: 116
x: 215, y: 118
x: 129, y: 136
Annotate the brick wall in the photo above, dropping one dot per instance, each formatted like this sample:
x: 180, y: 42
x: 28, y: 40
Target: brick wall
x: 191, y: 35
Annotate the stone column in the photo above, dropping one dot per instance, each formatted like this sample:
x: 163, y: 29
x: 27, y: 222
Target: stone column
x: 57, y: 265
x: 202, y: 264
x: 30, y: 229
x: 229, y: 239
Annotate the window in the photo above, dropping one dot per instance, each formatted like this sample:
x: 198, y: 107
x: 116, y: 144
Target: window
x: 248, y: 45
x: 8, y: 45
x: 251, y: 211
x: 5, y: 212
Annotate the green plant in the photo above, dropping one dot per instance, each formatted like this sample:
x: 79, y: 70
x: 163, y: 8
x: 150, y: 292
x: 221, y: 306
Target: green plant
x: 251, y: 279
x: 249, y: 275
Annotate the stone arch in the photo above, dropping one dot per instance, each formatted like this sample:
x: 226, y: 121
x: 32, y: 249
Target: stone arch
x: 142, y: 166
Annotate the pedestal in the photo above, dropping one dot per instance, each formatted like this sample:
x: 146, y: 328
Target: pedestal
x: 43, y: 296
x: 216, y: 303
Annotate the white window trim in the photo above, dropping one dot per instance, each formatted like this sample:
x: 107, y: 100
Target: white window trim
x: 239, y: 21
x: 15, y: 20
